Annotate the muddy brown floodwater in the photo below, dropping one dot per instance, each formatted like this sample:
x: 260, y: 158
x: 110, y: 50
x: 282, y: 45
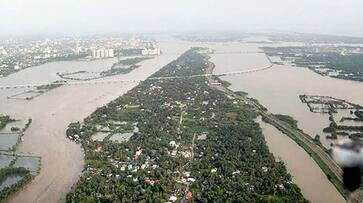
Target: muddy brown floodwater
x: 278, y: 89
x: 305, y: 172
x: 62, y: 160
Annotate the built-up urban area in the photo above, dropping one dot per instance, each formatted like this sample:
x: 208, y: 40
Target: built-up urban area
x: 17, y: 54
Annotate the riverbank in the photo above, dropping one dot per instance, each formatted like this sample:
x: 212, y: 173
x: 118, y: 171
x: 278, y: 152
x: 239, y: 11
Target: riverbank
x: 16, y: 170
x: 123, y: 66
x: 62, y: 160
x: 301, y: 166
x: 194, y: 143
x: 300, y: 170
x: 6, y: 72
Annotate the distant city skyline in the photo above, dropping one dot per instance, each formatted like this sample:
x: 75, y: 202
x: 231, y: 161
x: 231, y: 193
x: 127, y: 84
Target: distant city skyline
x: 50, y: 17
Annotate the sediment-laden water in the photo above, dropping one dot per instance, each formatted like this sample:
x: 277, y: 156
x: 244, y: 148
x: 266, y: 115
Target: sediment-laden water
x: 62, y: 160
x: 278, y: 89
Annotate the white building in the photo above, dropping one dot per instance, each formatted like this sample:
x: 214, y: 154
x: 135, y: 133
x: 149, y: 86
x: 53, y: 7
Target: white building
x: 102, y: 53
x: 16, y: 67
x: 94, y: 51
x: 154, y: 51
x: 109, y: 53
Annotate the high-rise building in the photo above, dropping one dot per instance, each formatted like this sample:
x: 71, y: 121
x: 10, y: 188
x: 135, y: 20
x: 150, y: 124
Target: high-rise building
x: 94, y: 53
x: 102, y: 53
x: 111, y: 53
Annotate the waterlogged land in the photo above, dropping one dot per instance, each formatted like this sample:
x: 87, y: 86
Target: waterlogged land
x: 194, y: 143
x: 339, y: 111
x: 12, y: 179
x: 62, y: 160
x: 36, y: 91
x: 301, y: 166
x: 16, y: 170
x: 123, y: 66
x: 344, y: 62
x: 278, y: 89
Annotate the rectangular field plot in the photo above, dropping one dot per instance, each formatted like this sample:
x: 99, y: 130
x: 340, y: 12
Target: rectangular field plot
x: 10, y: 180
x: 30, y: 163
x: 14, y: 127
x: 26, y: 95
x: 5, y: 160
x: 8, y: 140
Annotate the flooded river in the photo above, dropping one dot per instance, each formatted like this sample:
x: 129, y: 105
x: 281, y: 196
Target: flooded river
x: 62, y: 160
x: 278, y: 89
x: 305, y: 172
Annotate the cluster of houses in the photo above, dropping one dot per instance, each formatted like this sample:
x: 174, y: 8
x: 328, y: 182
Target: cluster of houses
x: 181, y: 188
x: 128, y: 167
x: 138, y: 160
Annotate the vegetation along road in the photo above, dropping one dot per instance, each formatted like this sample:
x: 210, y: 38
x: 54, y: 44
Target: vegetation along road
x: 315, y: 150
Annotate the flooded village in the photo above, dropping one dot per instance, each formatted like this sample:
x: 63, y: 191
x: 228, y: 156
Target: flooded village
x: 51, y: 113
x: 280, y: 88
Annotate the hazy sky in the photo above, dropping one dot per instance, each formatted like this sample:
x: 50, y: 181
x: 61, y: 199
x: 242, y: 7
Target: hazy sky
x: 24, y: 17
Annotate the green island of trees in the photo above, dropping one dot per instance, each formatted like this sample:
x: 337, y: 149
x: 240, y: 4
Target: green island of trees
x: 124, y: 66
x: 120, y: 67
x: 50, y: 86
x: 193, y: 143
x: 287, y: 119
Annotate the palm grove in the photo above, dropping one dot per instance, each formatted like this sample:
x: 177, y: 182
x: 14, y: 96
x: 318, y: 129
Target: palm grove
x: 193, y: 144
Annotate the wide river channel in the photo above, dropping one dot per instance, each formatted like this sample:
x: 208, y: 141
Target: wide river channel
x: 276, y: 88
x: 61, y: 159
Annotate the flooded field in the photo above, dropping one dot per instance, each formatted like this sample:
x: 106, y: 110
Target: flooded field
x: 5, y: 160
x: 11, y: 134
x: 30, y: 163
x: 11, y: 161
x: 313, y: 183
x: 9, y: 181
x: 29, y: 94
x: 62, y: 160
x: 279, y: 87
x: 8, y: 140
x: 14, y: 126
